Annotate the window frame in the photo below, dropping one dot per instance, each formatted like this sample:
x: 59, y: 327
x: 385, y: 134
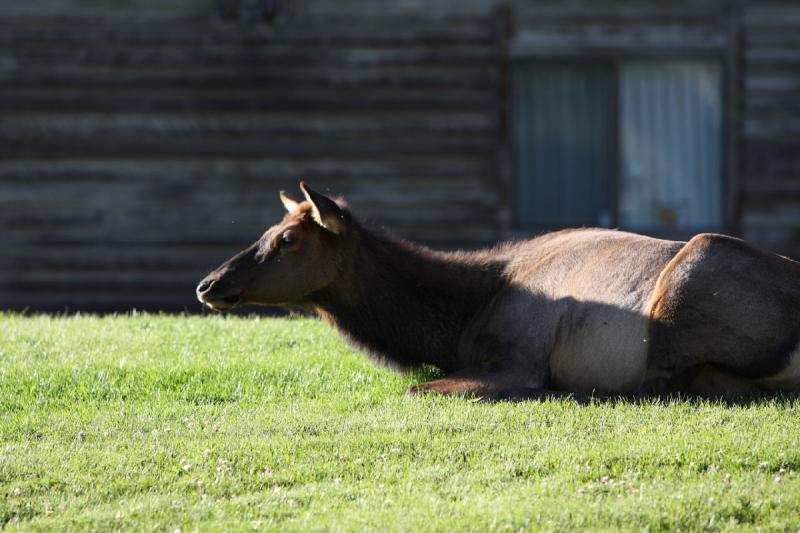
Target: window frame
x: 725, y: 57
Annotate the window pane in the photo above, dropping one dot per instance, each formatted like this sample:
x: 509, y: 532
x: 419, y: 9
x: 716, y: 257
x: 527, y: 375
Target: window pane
x: 563, y: 122
x: 670, y: 114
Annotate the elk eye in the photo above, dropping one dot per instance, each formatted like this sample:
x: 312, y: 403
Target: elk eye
x: 287, y: 239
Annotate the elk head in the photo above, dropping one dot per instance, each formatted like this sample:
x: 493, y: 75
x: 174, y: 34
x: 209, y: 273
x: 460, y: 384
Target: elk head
x: 291, y: 260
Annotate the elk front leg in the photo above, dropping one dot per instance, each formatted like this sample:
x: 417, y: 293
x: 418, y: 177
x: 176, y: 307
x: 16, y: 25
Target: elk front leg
x: 490, y: 386
x: 461, y: 383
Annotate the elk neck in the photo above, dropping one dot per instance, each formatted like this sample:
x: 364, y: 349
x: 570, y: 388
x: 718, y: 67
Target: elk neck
x: 407, y: 305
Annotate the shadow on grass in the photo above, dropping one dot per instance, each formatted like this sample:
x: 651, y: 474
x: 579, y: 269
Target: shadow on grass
x: 780, y: 399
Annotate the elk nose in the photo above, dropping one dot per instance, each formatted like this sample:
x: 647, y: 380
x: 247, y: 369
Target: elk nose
x: 204, y: 285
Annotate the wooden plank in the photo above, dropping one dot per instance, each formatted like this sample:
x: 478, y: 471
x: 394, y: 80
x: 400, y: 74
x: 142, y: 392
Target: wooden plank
x: 270, y: 173
x: 395, y: 33
x: 298, y: 77
x: 773, y: 37
x: 240, y: 99
x: 785, y: 219
x: 764, y: 109
x: 777, y: 126
x: 620, y: 13
x: 771, y: 14
x: 776, y: 57
x: 272, y: 55
x: 209, y: 147
x: 104, y: 12
x: 32, y: 125
x: 769, y: 81
x: 647, y: 40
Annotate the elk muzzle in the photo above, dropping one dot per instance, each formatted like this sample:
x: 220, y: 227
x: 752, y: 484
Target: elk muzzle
x: 216, y: 297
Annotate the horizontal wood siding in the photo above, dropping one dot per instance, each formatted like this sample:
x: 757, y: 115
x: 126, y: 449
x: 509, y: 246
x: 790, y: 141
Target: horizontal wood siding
x: 142, y: 143
x: 771, y: 125
x: 584, y: 28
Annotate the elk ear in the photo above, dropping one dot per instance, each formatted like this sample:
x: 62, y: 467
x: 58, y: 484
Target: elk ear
x: 324, y: 210
x: 289, y: 202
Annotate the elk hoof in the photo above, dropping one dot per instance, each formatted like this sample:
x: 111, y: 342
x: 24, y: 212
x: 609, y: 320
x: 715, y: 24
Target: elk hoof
x: 416, y: 390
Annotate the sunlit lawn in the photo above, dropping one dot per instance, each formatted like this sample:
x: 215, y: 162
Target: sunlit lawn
x: 215, y: 423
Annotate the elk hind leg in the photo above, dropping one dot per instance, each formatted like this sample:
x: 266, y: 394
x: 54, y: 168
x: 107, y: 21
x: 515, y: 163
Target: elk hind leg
x: 722, y: 304
x: 710, y: 382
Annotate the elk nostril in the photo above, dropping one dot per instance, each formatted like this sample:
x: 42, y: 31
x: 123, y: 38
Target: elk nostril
x: 204, y: 286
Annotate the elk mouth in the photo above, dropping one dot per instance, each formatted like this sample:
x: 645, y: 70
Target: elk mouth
x: 225, y: 303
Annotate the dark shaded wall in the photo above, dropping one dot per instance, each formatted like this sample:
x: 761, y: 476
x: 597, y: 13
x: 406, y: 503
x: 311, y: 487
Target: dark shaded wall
x: 143, y: 142
x: 770, y: 124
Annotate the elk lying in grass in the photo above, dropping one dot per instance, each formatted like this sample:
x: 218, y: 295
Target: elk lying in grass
x: 585, y: 310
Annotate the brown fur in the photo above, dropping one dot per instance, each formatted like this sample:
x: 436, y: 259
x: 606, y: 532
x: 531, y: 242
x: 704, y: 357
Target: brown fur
x: 580, y: 310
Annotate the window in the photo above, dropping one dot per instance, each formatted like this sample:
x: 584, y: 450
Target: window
x: 636, y: 144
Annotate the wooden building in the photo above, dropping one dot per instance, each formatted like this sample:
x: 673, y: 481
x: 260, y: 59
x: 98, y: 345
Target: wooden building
x: 143, y: 142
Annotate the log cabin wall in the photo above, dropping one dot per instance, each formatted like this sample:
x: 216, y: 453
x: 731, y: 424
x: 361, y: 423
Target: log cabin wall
x: 770, y: 125
x: 143, y: 142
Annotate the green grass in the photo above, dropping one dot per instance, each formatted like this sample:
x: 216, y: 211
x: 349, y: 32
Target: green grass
x: 216, y: 423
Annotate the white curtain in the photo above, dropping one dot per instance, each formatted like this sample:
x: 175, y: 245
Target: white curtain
x: 671, y: 131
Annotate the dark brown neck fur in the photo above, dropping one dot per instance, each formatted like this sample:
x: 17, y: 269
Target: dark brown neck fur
x: 405, y: 304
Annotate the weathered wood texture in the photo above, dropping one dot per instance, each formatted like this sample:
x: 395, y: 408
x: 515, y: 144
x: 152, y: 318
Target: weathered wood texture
x: 140, y: 147
x: 549, y: 29
x: 142, y: 142
x: 771, y: 124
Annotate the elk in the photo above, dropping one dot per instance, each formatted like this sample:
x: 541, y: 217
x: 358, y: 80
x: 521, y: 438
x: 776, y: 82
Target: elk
x: 576, y: 311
